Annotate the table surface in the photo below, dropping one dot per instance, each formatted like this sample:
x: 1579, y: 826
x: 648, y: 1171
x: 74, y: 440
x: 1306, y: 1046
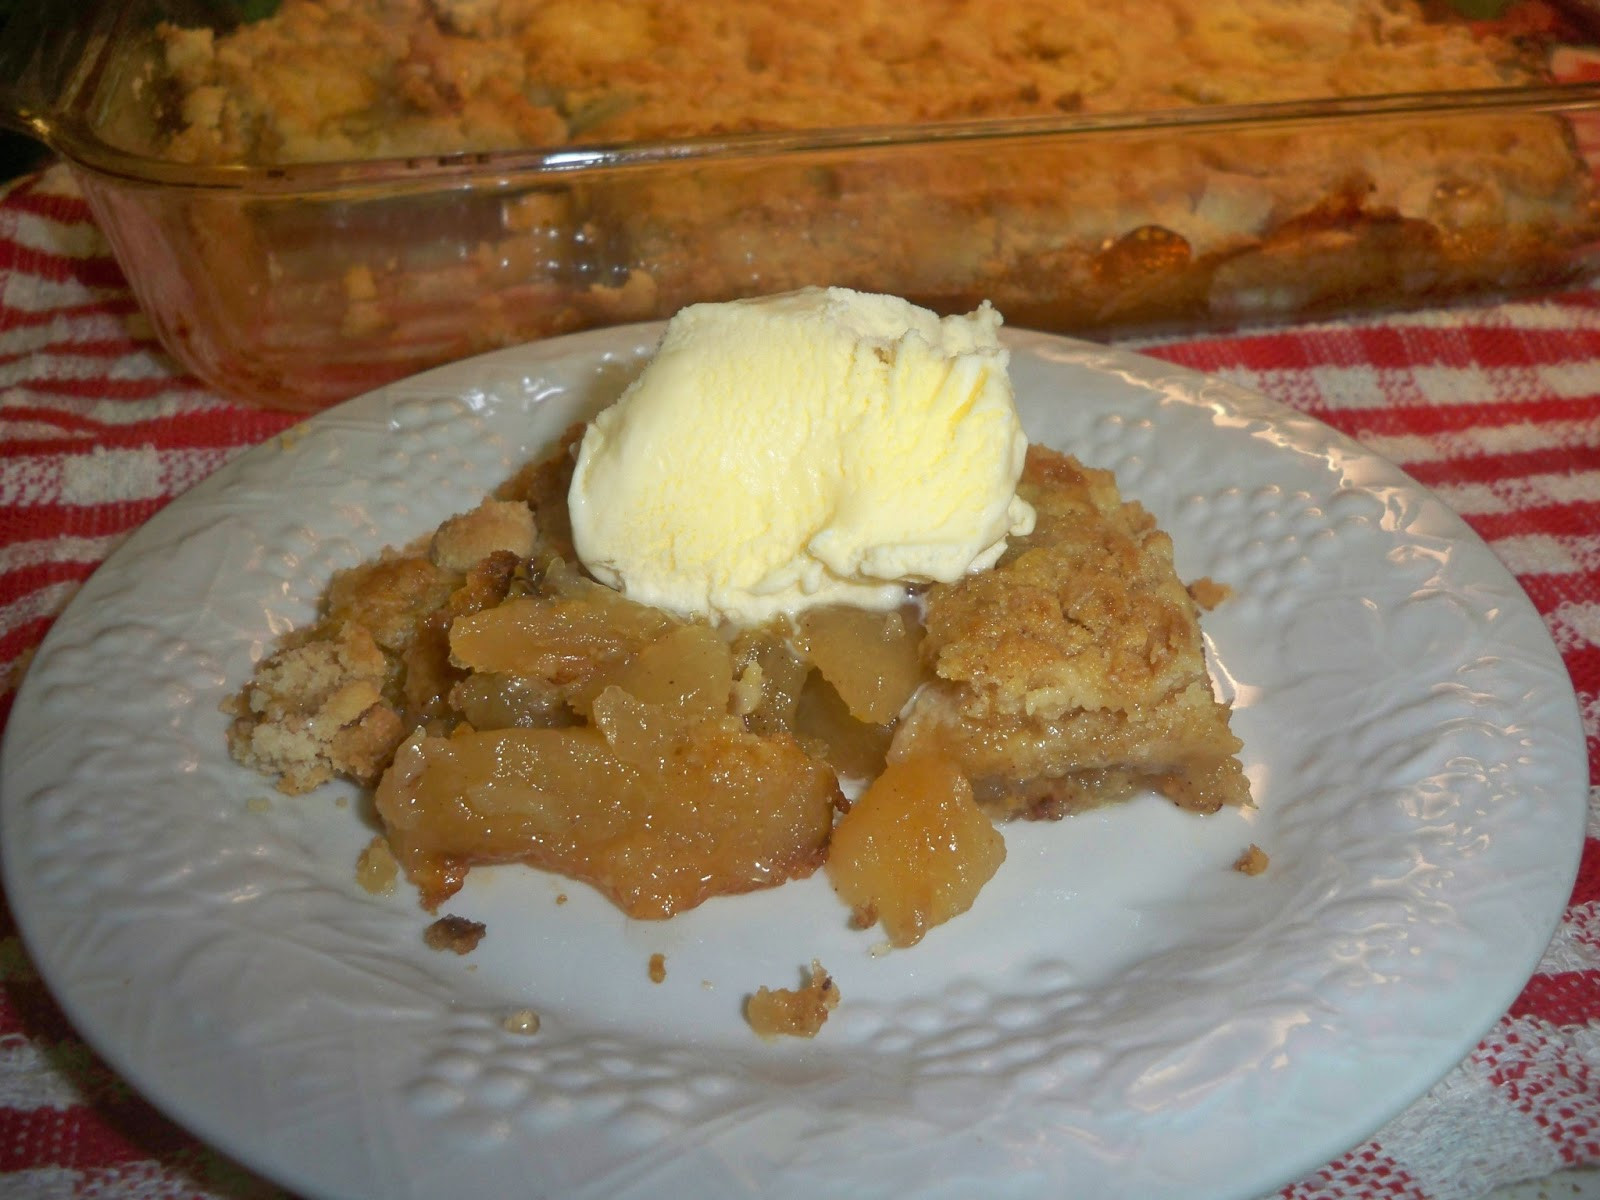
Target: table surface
x: 1494, y: 406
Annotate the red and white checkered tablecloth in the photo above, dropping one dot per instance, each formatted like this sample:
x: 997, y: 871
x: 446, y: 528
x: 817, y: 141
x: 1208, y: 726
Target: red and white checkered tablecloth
x: 1495, y: 407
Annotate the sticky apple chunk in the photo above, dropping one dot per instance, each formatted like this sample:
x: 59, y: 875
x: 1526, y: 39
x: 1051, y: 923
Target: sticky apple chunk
x: 657, y: 813
x: 915, y: 849
x: 871, y: 658
x: 571, y: 636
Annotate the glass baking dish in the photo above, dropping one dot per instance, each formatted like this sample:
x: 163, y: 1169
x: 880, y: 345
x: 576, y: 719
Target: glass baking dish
x: 296, y: 285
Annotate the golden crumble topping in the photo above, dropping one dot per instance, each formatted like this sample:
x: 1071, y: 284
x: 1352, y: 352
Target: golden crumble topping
x: 1073, y: 673
x: 341, y: 695
x: 326, y: 79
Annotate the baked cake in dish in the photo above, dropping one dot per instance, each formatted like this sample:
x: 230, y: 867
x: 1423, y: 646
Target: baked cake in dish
x: 1138, y: 222
x: 357, y: 79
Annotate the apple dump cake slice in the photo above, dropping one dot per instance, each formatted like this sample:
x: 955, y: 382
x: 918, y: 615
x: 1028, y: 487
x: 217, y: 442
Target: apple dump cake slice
x: 1073, y: 674
x: 507, y: 707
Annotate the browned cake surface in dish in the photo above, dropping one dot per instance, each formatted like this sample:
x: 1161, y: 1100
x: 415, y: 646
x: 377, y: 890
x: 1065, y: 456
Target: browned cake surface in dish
x: 328, y: 79
x: 508, y: 708
x: 1073, y: 673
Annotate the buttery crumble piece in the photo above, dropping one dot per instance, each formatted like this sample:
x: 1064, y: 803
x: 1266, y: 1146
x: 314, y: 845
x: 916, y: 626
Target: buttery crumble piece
x: 1252, y: 862
x: 658, y: 968
x: 1208, y: 593
x: 1073, y: 673
x: 316, y: 710
x: 793, y: 1012
x: 494, y: 526
x: 339, y: 697
x: 456, y: 934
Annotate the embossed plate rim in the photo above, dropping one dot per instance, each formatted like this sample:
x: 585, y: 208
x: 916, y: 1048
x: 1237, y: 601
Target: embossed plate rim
x: 1168, y: 1102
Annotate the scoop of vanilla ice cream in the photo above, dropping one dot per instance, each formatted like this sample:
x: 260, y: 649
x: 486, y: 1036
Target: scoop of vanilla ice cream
x: 823, y: 446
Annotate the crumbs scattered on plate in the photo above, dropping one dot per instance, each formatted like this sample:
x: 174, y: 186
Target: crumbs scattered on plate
x: 524, y: 1021
x: 793, y: 1012
x: 456, y: 934
x: 376, y: 868
x: 1252, y: 862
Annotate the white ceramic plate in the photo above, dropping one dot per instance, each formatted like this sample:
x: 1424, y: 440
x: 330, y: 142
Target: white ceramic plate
x: 1119, y: 1015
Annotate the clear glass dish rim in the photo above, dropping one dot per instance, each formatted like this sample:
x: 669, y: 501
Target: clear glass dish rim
x: 72, y: 138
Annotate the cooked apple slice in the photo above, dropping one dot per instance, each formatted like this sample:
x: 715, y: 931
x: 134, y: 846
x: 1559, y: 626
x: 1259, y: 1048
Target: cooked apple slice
x: 656, y: 812
x: 915, y: 850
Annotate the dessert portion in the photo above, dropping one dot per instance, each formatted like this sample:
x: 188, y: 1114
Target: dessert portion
x: 819, y: 447
x: 1016, y: 642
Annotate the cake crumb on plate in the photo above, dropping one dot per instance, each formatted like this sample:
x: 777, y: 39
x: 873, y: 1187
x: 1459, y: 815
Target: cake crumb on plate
x: 793, y: 1012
